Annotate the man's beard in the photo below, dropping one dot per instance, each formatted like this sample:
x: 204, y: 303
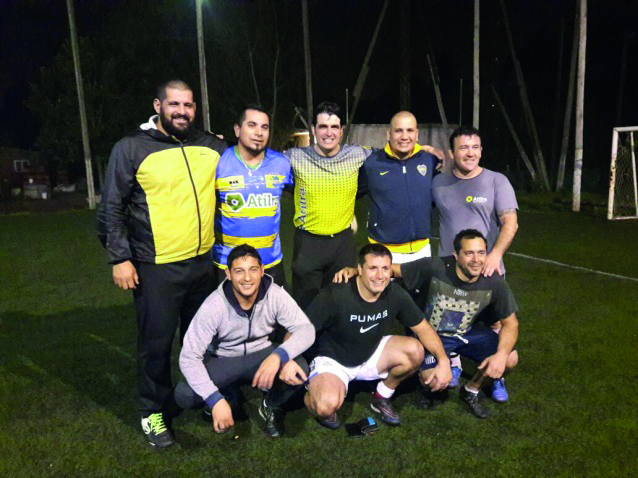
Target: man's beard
x: 169, y: 127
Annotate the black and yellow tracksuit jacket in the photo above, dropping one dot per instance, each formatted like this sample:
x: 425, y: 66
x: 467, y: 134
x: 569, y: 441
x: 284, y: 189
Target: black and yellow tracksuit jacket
x: 158, y: 202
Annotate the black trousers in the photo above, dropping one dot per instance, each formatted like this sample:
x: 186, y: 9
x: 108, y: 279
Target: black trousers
x: 315, y: 261
x: 167, y: 295
x: 229, y: 371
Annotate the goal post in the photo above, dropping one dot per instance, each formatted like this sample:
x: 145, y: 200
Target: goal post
x: 623, y: 184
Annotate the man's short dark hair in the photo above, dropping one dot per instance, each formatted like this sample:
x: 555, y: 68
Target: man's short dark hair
x: 252, y: 106
x: 463, y: 131
x: 467, y: 234
x: 243, y: 250
x: 177, y: 84
x: 328, y: 108
x: 376, y: 249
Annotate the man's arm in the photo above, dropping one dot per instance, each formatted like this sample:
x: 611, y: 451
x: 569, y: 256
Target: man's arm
x: 509, y: 226
x: 300, y: 335
x: 113, y: 215
x: 348, y: 272
x: 494, y: 365
x: 432, y: 150
x: 442, y: 373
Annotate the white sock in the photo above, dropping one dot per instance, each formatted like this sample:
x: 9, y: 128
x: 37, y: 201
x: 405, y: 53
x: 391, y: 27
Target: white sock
x: 455, y: 361
x: 384, y: 391
x: 475, y: 392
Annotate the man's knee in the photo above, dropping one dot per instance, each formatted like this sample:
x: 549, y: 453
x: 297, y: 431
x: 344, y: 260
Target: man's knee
x: 185, y: 396
x: 325, y: 395
x: 414, y: 353
x: 512, y: 360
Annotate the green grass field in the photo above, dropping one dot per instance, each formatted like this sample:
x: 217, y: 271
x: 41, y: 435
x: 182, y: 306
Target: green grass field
x: 67, y: 373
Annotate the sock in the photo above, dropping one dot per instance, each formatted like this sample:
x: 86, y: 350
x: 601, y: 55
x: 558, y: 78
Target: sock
x: 383, y: 391
x: 475, y: 392
x: 455, y: 361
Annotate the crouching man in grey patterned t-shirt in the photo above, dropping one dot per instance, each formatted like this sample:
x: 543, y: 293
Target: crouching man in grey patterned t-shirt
x: 227, y: 344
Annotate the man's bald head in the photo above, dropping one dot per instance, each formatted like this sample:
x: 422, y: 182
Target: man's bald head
x: 403, y: 134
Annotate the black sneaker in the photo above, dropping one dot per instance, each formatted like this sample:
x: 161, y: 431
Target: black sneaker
x: 274, y: 418
x: 157, y: 433
x: 473, y: 401
x: 383, y: 407
x: 427, y: 399
x: 332, y: 422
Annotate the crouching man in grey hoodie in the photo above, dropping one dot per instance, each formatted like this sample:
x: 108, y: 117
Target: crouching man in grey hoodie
x: 227, y: 344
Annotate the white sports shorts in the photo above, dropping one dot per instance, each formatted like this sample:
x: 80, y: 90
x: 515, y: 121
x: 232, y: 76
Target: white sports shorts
x: 365, y: 371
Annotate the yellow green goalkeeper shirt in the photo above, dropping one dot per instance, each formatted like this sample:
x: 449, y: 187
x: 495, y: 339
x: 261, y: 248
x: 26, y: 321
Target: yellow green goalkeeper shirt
x: 325, y: 187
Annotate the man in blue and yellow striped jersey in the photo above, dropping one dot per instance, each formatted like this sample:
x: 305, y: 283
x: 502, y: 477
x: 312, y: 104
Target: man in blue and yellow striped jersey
x: 250, y: 180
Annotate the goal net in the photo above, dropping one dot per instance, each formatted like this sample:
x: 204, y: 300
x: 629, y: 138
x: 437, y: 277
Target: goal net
x: 623, y: 188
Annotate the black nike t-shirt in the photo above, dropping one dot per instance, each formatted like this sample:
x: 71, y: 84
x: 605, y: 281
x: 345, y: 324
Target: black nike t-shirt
x: 349, y: 329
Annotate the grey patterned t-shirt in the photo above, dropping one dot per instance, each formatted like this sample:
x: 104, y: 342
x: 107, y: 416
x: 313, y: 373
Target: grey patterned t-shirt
x: 451, y: 305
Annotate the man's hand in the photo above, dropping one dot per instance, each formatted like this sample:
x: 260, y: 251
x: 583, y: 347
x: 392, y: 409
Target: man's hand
x: 432, y: 150
x: 125, y: 275
x: 292, y: 374
x: 354, y: 225
x: 492, y: 263
x: 441, y: 376
x: 344, y: 274
x: 265, y: 375
x: 222, y: 416
x: 494, y: 365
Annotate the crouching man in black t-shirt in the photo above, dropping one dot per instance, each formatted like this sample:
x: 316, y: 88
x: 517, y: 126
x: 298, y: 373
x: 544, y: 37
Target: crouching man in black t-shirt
x: 461, y: 304
x: 353, y: 321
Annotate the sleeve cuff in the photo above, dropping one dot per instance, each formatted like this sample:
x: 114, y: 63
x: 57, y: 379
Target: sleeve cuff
x: 283, y: 355
x: 214, y: 398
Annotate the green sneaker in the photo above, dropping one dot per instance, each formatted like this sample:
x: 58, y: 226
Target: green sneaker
x: 156, y: 431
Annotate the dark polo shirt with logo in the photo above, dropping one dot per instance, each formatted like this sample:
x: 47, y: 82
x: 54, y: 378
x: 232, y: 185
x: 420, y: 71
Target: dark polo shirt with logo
x: 349, y: 329
x: 451, y: 305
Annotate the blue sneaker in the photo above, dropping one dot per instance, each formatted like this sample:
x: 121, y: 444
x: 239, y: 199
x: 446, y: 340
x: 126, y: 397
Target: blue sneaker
x: 456, y: 375
x: 499, y: 392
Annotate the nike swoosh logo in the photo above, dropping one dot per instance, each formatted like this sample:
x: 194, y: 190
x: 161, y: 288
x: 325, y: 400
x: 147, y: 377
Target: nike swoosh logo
x: 364, y: 330
x: 383, y: 173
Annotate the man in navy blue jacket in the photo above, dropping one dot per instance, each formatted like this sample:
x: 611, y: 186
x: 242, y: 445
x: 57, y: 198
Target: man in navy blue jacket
x: 398, y: 179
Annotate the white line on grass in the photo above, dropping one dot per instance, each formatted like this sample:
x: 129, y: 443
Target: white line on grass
x: 111, y: 346
x: 556, y: 263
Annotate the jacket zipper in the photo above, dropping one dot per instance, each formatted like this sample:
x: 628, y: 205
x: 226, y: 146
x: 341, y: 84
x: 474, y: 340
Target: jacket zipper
x: 199, y: 217
x: 250, y: 325
x: 407, y: 186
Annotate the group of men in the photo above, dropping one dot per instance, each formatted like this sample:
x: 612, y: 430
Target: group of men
x: 191, y: 226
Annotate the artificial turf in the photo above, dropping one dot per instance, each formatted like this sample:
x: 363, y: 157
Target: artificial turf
x: 67, y: 373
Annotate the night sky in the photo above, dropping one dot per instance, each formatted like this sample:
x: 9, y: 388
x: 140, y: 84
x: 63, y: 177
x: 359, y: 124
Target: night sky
x: 33, y: 32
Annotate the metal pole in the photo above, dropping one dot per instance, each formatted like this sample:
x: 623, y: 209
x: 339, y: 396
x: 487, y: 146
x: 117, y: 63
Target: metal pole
x: 633, y: 169
x: 347, y: 107
x: 202, y: 65
x: 83, y: 122
x: 477, y: 86
x: 364, y: 71
x: 580, y: 106
x: 612, y: 178
x: 461, y: 103
x: 306, y: 49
